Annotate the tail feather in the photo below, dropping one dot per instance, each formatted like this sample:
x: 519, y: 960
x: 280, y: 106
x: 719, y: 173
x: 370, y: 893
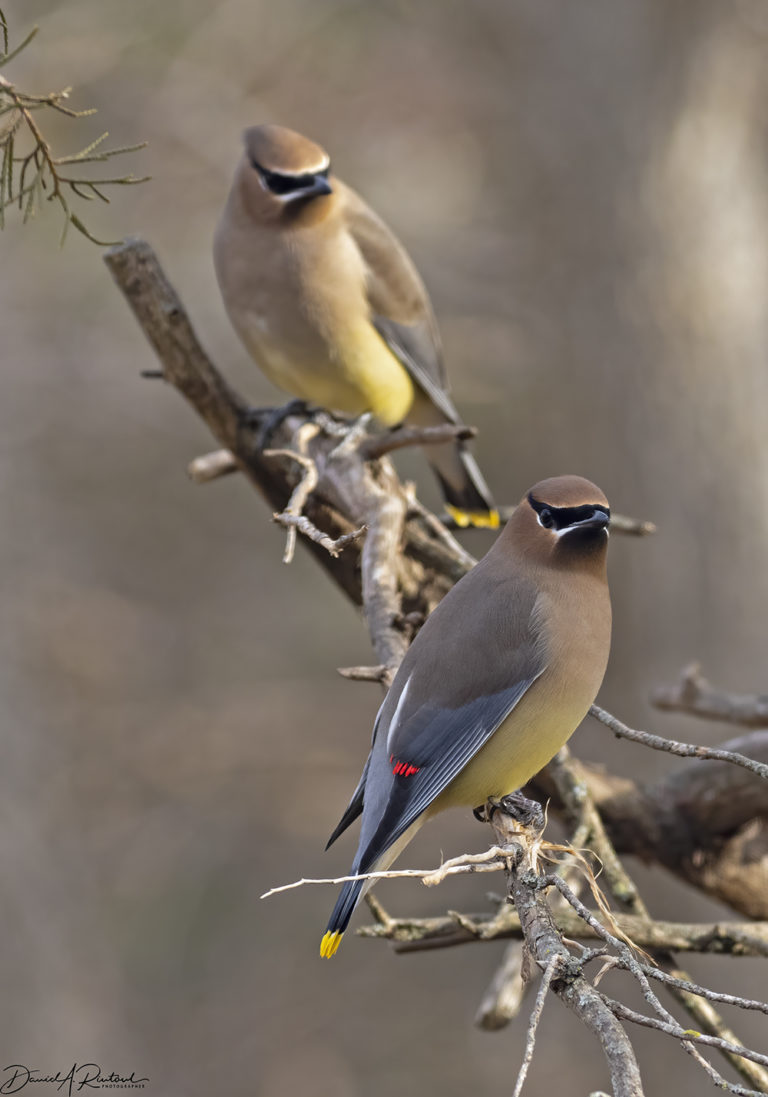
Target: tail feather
x: 467, y: 496
x: 353, y: 891
x: 339, y: 920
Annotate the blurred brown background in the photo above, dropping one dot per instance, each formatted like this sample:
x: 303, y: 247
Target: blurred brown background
x: 583, y: 187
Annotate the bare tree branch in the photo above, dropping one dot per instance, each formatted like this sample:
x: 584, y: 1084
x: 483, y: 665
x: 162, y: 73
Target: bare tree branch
x: 447, y: 931
x: 693, y: 988
x: 581, y: 806
x: 679, y: 1033
x: 750, y: 1063
x: 350, y: 492
x: 546, y: 946
x: 707, y: 823
x: 694, y: 695
x: 672, y: 746
x: 502, y: 1000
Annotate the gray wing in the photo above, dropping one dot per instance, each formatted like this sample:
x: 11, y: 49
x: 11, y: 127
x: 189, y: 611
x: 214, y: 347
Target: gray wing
x: 473, y: 661
x: 443, y: 743
x: 400, y: 307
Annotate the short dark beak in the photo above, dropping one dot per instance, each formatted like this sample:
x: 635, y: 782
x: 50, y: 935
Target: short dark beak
x: 319, y: 186
x: 599, y: 520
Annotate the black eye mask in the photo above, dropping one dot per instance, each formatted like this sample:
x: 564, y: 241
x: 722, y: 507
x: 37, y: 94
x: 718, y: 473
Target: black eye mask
x: 562, y: 517
x: 288, y: 184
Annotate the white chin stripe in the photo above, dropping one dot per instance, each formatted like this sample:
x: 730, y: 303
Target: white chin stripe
x: 572, y: 529
x: 290, y: 196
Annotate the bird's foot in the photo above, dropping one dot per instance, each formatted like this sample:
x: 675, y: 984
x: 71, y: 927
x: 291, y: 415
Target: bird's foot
x: 525, y: 812
x: 267, y: 420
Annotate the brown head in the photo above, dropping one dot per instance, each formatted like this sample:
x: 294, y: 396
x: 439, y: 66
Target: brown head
x: 563, y: 522
x: 282, y: 174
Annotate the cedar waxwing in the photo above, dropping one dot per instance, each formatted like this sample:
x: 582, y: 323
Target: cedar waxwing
x: 330, y: 306
x: 500, y: 675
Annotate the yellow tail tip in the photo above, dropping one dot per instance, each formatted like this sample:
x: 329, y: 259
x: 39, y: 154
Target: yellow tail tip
x: 330, y: 943
x: 480, y: 519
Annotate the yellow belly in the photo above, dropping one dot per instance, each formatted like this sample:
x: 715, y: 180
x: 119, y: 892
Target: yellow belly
x: 362, y: 375
x: 299, y: 302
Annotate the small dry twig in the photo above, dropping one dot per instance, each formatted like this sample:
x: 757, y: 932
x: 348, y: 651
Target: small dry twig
x: 671, y: 1028
x: 303, y: 489
x: 212, y: 466
x: 301, y: 523
x: 364, y: 674
x: 533, y: 1023
x: 33, y: 175
x: 377, y: 445
x: 703, y: 992
x: 492, y: 860
x: 292, y: 518
x: 672, y: 746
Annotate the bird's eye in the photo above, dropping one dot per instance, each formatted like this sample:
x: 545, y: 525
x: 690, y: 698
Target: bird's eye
x: 284, y: 184
x: 546, y: 518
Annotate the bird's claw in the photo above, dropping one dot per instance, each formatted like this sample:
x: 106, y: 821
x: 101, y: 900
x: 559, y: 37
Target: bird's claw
x: 526, y: 812
x: 267, y: 420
